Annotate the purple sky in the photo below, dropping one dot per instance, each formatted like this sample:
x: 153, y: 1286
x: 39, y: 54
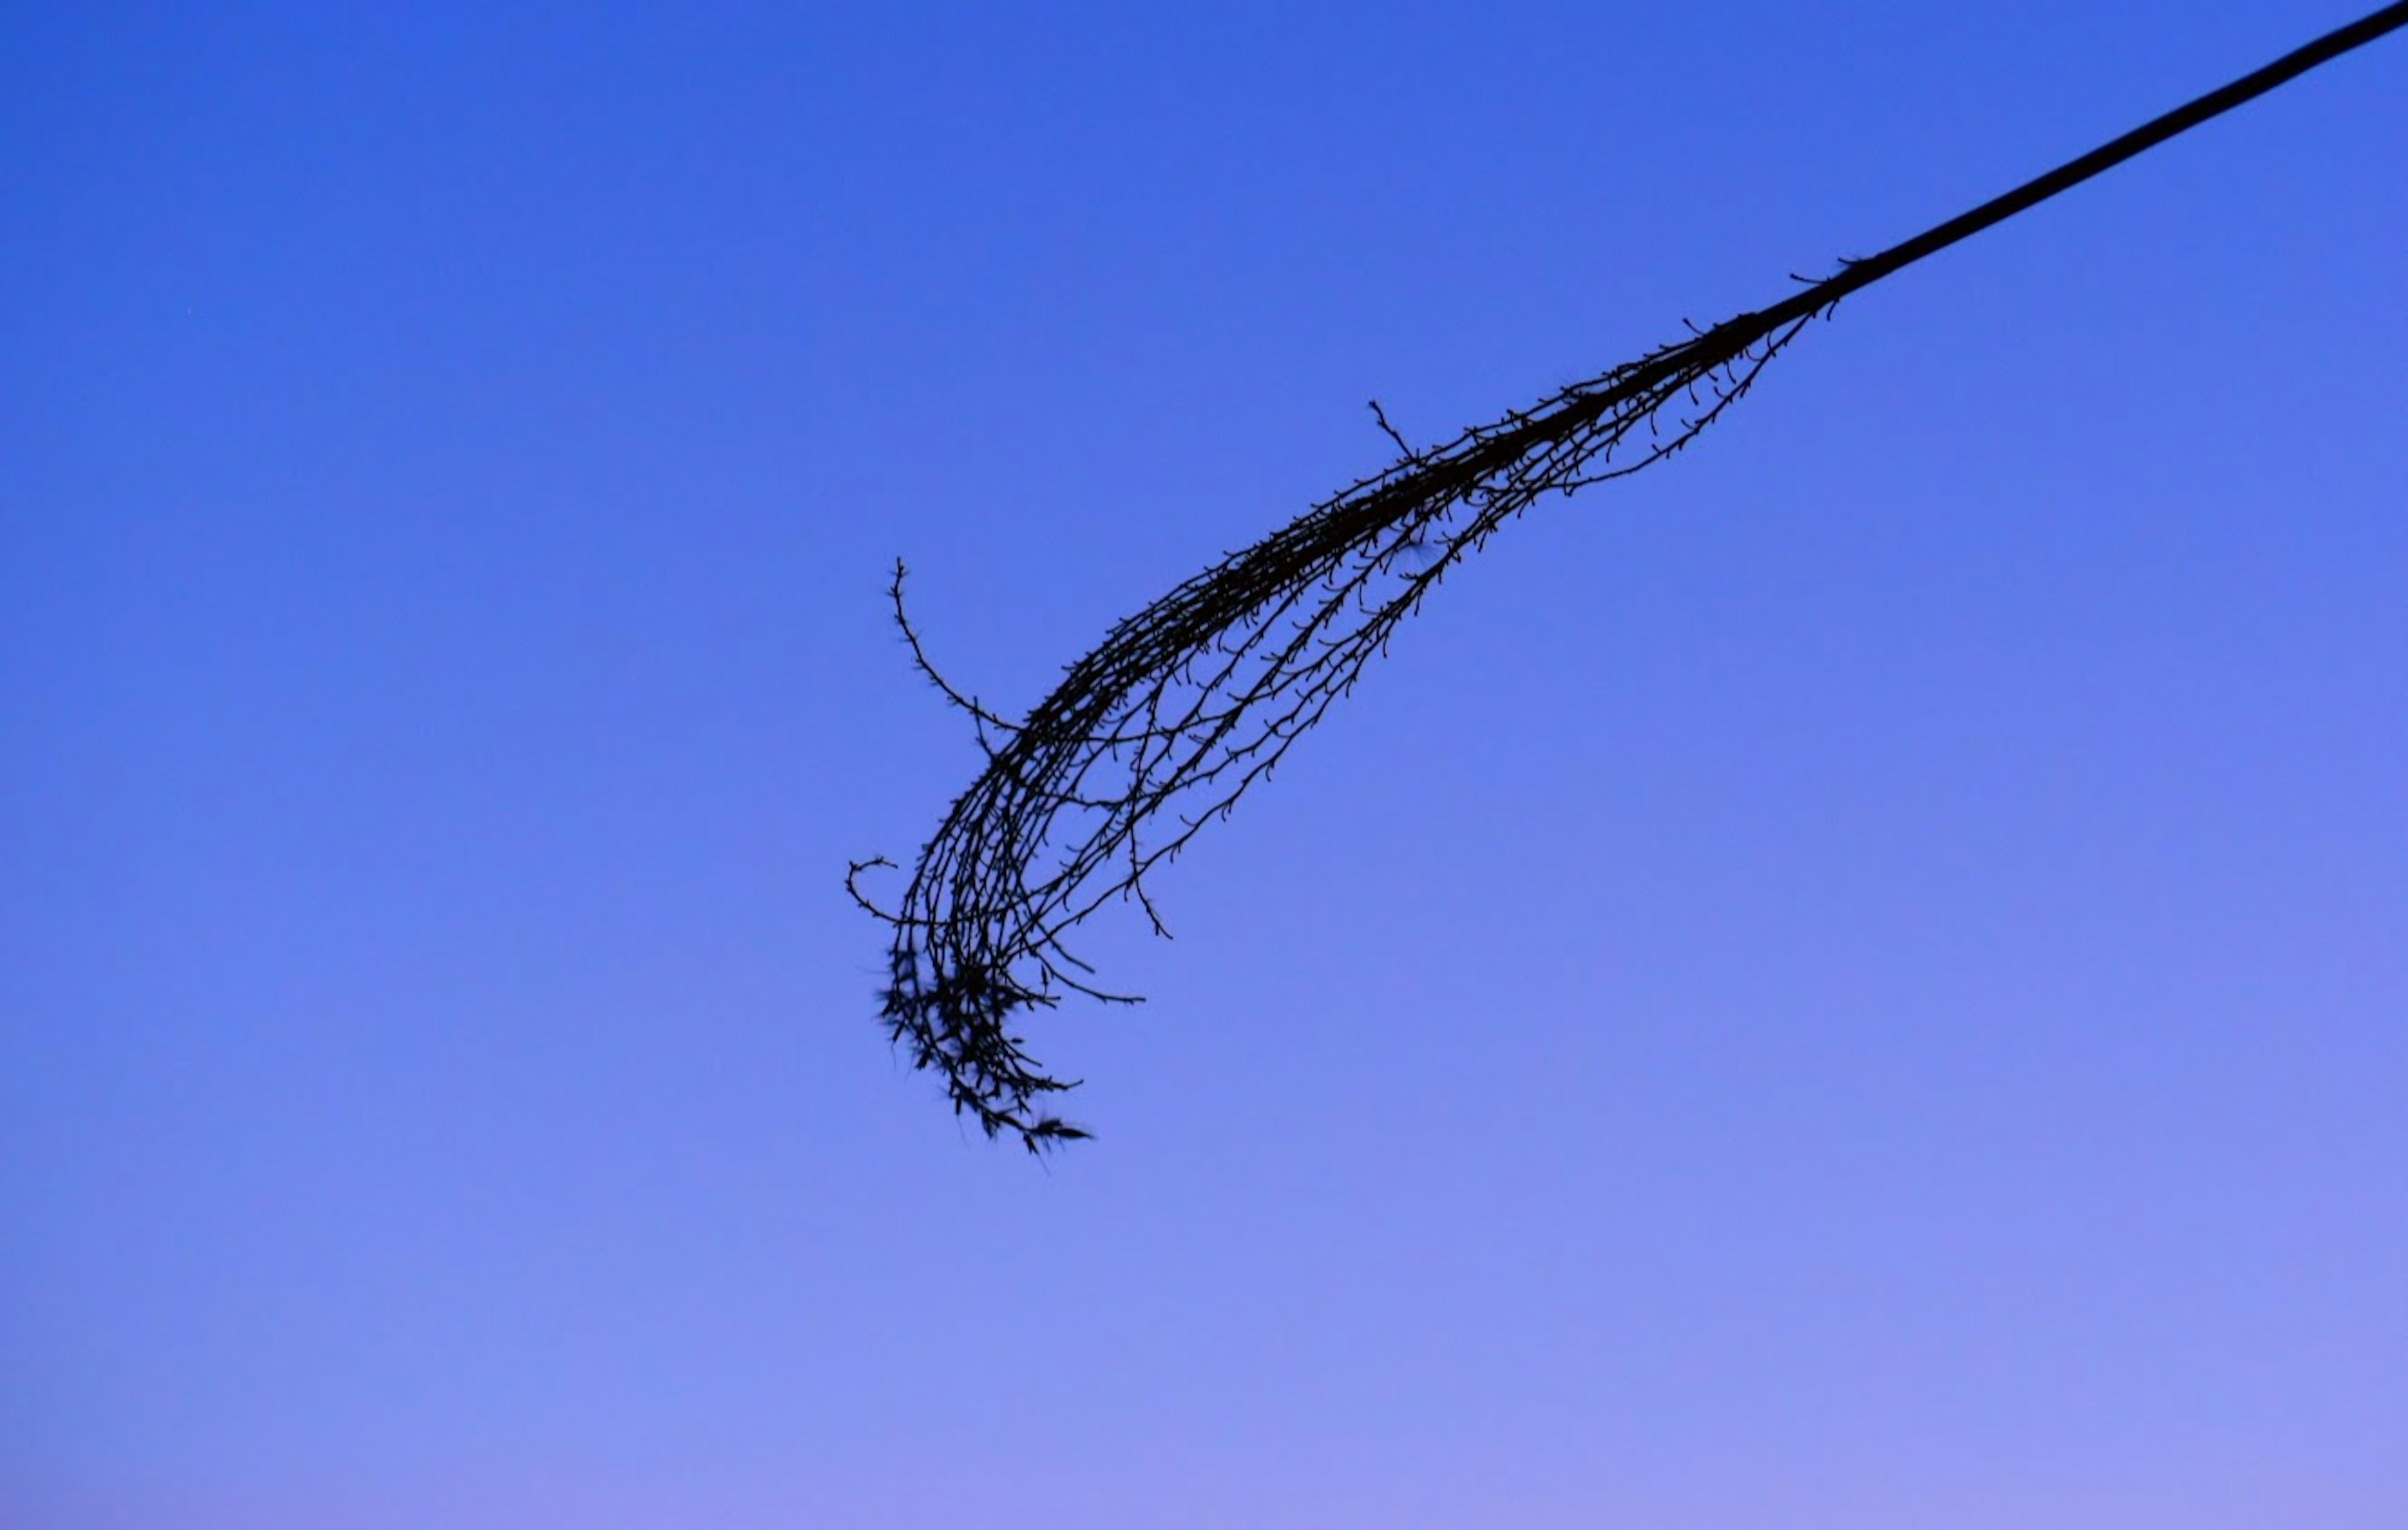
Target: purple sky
x: 1857, y: 980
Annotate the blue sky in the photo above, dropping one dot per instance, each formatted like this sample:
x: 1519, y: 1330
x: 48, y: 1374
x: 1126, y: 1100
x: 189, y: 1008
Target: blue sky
x: 1855, y: 979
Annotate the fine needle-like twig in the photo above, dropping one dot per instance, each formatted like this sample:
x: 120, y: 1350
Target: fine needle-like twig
x: 1190, y: 701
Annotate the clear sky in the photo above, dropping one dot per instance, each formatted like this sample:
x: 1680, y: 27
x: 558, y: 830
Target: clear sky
x: 1856, y: 979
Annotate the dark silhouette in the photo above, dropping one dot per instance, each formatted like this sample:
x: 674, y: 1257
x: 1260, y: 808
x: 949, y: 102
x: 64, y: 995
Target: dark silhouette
x: 1185, y: 705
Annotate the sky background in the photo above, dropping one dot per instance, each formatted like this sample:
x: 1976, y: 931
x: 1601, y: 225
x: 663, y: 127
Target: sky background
x: 1854, y: 979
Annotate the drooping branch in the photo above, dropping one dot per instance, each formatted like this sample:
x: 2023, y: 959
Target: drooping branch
x: 1189, y: 704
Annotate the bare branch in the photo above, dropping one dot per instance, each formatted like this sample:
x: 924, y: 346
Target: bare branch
x: 1189, y: 704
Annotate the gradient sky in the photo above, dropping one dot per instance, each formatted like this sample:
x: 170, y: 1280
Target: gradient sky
x: 1856, y: 979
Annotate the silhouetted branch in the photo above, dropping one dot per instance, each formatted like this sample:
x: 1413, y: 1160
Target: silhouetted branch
x: 1189, y: 703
